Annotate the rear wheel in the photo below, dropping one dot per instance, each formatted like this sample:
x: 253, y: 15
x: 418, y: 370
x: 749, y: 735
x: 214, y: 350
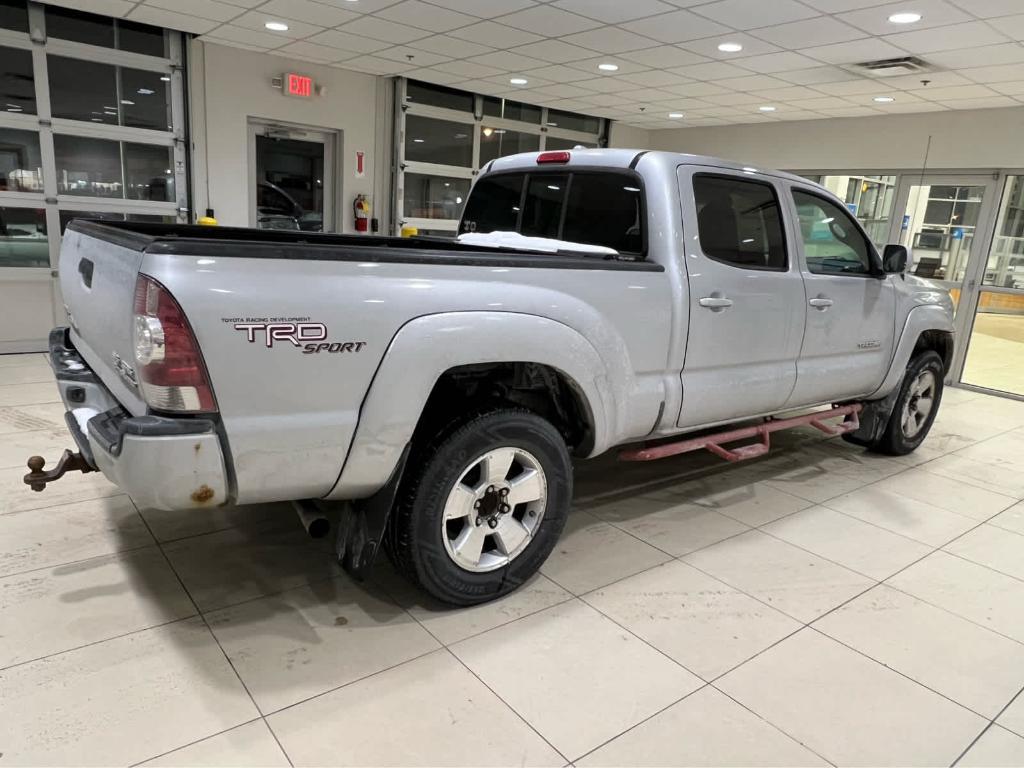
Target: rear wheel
x: 916, y: 406
x: 482, y: 506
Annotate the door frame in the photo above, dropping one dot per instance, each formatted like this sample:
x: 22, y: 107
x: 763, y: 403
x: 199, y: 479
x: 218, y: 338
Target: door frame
x: 970, y: 286
x: 332, y: 141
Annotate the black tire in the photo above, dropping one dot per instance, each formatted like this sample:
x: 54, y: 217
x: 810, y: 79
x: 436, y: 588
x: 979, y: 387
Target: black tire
x: 895, y: 441
x: 415, y: 540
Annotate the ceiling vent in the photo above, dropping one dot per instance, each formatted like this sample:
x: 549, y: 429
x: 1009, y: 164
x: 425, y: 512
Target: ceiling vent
x: 905, y: 65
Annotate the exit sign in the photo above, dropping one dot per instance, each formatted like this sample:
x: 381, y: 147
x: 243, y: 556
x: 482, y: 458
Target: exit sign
x: 298, y: 85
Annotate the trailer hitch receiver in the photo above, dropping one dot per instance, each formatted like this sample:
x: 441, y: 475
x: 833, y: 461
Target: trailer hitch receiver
x: 37, y: 479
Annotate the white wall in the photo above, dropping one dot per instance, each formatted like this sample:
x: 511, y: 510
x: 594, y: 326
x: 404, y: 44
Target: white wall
x: 230, y: 85
x: 967, y: 139
x: 627, y: 137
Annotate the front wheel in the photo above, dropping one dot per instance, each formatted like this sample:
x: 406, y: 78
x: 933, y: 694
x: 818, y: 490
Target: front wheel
x: 916, y: 406
x: 482, y: 506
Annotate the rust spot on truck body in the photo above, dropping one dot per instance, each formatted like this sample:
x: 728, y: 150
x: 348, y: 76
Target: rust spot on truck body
x: 202, y: 494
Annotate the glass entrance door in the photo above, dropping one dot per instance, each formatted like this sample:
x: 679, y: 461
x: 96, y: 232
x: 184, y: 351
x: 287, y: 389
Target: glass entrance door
x: 291, y: 178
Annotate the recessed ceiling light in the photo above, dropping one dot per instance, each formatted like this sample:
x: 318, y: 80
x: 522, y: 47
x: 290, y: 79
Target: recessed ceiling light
x: 519, y: 81
x: 608, y: 67
x: 730, y: 47
x: 884, y: 99
x: 766, y: 109
x: 905, y: 18
x: 675, y: 115
x: 276, y: 26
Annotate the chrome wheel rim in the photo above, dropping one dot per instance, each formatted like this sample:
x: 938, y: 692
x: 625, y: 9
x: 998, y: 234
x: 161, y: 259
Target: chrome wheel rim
x: 494, y: 509
x: 919, y: 403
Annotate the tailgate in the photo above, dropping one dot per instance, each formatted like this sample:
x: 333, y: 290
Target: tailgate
x: 97, y: 280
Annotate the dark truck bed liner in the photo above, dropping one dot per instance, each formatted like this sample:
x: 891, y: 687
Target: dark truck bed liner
x: 239, y: 242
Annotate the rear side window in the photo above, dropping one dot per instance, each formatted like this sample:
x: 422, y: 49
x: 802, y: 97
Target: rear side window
x: 739, y: 222
x: 590, y: 208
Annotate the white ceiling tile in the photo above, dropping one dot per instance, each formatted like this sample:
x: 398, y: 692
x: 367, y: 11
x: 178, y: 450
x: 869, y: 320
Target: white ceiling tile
x: 506, y: 61
x: 116, y: 8
x: 614, y: 11
x: 610, y: 40
x: 296, y: 29
x: 1012, y: 88
x: 560, y: 74
x: 359, y: 6
x: 607, y: 85
x: 590, y: 65
x: 607, y: 99
x: 934, y: 13
x: 913, y: 82
x: 682, y: 102
x: 372, y: 65
x: 416, y: 13
x: 1013, y: 26
x: 310, y: 12
x: 247, y: 36
x: 204, y: 9
x: 791, y: 93
x: 989, y: 55
x: 1000, y: 74
x: 913, y: 106
x: 694, y: 89
x: 797, y: 114
x: 985, y: 9
x: 854, y: 52
x: 991, y: 102
x: 653, y: 78
x: 649, y: 94
x: 676, y: 27
x: 852, y: 87
x: 967, y: 35
x: 956, y: 92
x: 437, y: 76
x: 382, y: 29
x: 548, y: 21
x: 838, y: 6
x: 209, y: 40
x: 748, y: 14
x: 453, y: 47
x: 553, y: 51
x: 823, y: 30
x: 172, y: 20
x: 467, y: 69
x: 563, y: 91
x: 814, y: 75
x: 734, y: 99
x: 709, y: 47
x: 348, y: 42
x: 303, y: 49
x: 401, y: 53
x: 712, y: 70
x: 485, y: 9
x: 751, y: 82
x: 244, y: 3
x: 495, y: 35
x: 771, y: 63
x: 822, y: 102
x: 851, y: 112
x: 664, y: 56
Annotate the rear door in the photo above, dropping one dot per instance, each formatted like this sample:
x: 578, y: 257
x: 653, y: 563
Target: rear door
x: 848, y: 341
x: 746, y: 297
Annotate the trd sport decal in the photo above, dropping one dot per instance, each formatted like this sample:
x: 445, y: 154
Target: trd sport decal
x: 297, y: 331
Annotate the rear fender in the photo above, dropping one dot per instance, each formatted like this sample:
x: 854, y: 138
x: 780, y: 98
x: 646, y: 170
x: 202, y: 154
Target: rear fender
x: 428, y: 346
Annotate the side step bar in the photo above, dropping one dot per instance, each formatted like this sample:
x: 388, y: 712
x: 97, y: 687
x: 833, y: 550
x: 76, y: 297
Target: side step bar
x: 714, y: 442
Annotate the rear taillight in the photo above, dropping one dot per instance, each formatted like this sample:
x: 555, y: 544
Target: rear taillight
x: 167, y: 357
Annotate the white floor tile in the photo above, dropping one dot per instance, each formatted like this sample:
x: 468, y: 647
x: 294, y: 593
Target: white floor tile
x: 431, y: 711
x: 29, y: 394
x: 946, y: 493
x: 56, y: 609
x: 790, y: 579
x: 849, y: 709
x: 908, y: 517
x: 979, y: 473
x: 707, y: 728
x: 16, y: 496
x: 178, y: 524
x: 975, y: 592
x: 971, y: 665
x: 999, y: 549
x: 585, y: 680
x: 592, y: 553
x: 121, y: 701
x: 753, y: 503
x: 852, y: 543
x: 997, y: 747
x: 815, y: 484
x: 704, y: 624
x: 308, y: 640
x: 68, y: 532
x: 248, y: 746
x: 16, y: 447
x: 1011, y: 520
x: 1013, y: 717
x: 37, y: 372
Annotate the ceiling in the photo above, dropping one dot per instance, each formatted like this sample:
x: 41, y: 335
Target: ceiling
x: 793, y: 56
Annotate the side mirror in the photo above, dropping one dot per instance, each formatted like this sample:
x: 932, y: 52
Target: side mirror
x: 895, y: 259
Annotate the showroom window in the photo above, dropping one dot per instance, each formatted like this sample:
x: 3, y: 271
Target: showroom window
x: 446, y: 136
x: 91, y: 124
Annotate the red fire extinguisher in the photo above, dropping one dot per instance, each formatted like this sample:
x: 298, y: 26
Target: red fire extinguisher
x: 361, y: 210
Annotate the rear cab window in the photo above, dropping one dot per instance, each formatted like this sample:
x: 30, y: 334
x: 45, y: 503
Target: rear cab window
x: 588, y: 207
x: 739, y: 222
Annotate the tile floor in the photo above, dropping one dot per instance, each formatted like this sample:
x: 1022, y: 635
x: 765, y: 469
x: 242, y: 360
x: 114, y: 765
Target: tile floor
x: 819, y: 606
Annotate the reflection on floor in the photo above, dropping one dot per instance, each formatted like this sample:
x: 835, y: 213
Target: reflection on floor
x: 818, y: 605
x: 995, y: 358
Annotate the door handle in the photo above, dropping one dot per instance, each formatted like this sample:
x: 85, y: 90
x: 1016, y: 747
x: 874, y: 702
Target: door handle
x: 715, y: 303
x: 821, y: 303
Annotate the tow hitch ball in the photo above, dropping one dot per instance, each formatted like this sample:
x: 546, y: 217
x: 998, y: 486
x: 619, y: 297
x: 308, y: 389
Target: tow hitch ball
x: 69, y: 462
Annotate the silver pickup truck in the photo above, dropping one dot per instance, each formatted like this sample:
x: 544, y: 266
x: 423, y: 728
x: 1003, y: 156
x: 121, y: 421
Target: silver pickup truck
x: 440, y: 388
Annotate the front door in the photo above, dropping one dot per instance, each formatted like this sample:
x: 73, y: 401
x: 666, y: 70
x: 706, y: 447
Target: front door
x: 292, y: 178
x: 851, y: 309
x: 746, y: 298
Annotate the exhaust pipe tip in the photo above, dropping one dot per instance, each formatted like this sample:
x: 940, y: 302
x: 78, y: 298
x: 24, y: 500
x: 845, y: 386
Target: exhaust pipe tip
x: 313, y: 520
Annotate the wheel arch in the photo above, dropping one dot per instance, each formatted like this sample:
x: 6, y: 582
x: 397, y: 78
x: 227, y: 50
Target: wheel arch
x: 927, y: 326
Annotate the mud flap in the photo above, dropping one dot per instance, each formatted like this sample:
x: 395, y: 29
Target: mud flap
x: 874, y: 418
x: 362, y: 525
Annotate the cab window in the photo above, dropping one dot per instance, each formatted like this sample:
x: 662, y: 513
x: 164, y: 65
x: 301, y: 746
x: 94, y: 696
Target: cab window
x: 739, y: 223
x: 833, y: 244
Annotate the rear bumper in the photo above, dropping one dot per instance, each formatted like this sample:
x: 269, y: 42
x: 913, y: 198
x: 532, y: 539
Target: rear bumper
x: 161, y: 462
